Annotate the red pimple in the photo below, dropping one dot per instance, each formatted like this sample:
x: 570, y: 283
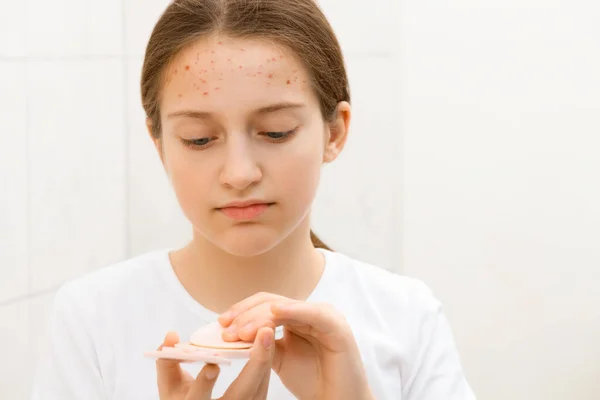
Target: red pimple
x: 229, y: 59
x: 212, y: 61
x: 259, y: 72
x: 288, y: 82
x: 241, y: 67
x: 217, y: 88
x: 202, y: 80
x: 187, y: 67
x: 273, y: 59
x: 281, y: 57
x: 205, y: 93
x: 180, y: 95
x: 270, y: 75
x: 219, y: 42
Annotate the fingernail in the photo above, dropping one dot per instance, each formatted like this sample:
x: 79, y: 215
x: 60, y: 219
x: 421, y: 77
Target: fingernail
x: 226, y: 316
x: 231, y: 336
x: 267, y: 341
x: 211, y: 373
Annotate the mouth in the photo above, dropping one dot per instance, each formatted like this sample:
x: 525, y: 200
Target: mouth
x: 245, y: 210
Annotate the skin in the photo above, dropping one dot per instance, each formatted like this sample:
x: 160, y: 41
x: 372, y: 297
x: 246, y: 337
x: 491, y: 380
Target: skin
x: 225, y: 138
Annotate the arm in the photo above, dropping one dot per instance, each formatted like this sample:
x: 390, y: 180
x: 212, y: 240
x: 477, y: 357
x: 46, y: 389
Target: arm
x: 69, y: 368
x: 436, y: 372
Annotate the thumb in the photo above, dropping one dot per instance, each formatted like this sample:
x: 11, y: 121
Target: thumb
x: 169, y: 372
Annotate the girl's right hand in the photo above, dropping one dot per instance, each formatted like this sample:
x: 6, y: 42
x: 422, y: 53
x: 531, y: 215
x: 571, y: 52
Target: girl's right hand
x: 253, y: 382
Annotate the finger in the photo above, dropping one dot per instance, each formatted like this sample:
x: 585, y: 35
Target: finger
x: 204, y: 384
x: 320, y: 320
x: 169, y: 372
x: 246, y: 325
x: 263, y: 387
x: 251, y: 381
x: 320, y: 317
x: 250, y: 302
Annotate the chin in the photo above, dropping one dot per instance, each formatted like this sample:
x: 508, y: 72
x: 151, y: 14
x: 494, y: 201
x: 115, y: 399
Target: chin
x: 248, y: 241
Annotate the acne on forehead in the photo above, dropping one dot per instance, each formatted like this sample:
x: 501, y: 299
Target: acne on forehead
x: 206, y: 67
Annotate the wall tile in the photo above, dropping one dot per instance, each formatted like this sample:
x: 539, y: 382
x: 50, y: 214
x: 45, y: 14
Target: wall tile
x: 74, y: 27
x: 362, y: 27
x: 12, y: 28
x: 15, y: 370
x: 156, y: 220
x: 77, y: 154
x: 13, y: 180
x: 140, y: 17
x: 362, y: 222
x: 39, y: 312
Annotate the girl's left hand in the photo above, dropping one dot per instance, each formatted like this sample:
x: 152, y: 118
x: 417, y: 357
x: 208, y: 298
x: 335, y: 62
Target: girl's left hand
x: 318, y: 357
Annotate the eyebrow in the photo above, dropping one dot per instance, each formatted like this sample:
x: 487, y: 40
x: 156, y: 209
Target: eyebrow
x: 263, y: 110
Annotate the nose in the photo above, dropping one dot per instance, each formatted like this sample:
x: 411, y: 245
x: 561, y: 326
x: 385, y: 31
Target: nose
x: 240, y: 169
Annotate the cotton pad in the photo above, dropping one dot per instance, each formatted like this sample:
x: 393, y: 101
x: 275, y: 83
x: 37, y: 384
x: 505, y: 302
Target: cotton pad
x: 205, y: 345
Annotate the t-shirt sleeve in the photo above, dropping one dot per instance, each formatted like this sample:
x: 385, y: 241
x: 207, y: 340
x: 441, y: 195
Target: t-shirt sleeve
x: 69, y: 367
x: 436, y: 371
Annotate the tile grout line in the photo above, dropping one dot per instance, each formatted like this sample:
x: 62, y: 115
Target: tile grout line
x: 28, y: 222
x: 398, y: 195
x: 126, y: 158
x: 29, y: 296
x: 63, y: 58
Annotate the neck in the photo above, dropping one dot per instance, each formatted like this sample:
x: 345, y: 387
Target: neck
x: 217, y: 279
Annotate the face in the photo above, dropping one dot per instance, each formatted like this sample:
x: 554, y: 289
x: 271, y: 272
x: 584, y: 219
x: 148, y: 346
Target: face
x: 243, y: 141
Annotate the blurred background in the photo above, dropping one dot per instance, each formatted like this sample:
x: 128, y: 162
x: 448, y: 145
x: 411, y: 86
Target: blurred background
x: 473, y: 164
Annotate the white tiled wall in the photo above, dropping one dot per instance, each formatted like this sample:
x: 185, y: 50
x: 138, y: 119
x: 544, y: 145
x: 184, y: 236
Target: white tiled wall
x: 82, y: 187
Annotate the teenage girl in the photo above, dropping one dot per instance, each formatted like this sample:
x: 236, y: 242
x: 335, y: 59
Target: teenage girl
x: 245, y: 101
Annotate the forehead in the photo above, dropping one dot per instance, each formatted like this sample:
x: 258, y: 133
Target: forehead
x: 220, y: 74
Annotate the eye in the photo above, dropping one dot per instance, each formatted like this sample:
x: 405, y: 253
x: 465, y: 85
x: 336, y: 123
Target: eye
x: 197, y: 143
x: 279, y: 136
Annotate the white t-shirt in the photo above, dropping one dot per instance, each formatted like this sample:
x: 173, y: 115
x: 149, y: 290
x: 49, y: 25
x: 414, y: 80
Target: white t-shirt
x: 103, y: 322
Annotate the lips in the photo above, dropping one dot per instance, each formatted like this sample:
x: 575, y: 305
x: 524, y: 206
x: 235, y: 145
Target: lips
x: 245, y: 210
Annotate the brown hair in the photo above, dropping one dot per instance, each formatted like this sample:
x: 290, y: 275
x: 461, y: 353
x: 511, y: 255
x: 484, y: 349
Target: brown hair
x: 296, y: 24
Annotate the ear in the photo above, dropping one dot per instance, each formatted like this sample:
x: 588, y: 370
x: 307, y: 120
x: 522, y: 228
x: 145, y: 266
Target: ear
x: 338, y: 132
x: 157, y: 142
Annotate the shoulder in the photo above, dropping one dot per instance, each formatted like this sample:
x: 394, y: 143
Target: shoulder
x: 86, y: 292
x: 383, y: 294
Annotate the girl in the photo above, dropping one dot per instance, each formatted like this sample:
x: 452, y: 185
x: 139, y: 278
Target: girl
x: 245, y: 100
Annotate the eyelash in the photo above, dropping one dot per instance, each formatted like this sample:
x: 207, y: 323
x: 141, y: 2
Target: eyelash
x: 206, y: 141
x: 284, y: 135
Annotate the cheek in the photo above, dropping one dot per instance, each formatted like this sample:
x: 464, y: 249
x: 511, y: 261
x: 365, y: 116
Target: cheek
x: 298, y: 176
x: 189, y: 175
